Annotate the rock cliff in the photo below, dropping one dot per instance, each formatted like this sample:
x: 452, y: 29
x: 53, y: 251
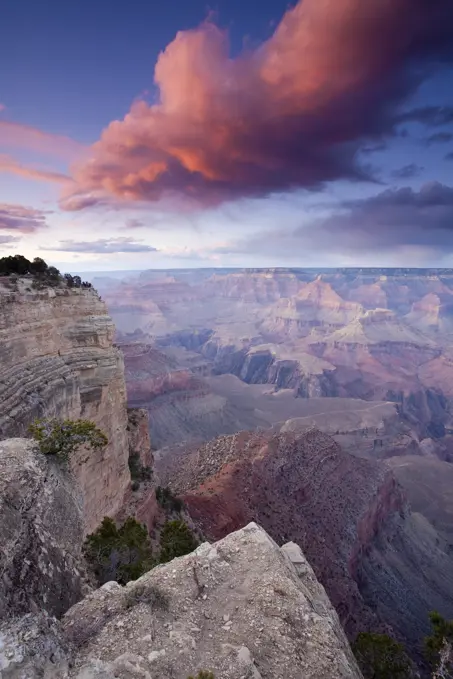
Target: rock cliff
x: 242, y: 607
x: 41, y: 526
x: 57, y: 359
x: 347, y: 514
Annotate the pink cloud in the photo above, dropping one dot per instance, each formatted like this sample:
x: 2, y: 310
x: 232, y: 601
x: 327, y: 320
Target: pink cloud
x: 290, y: 114
x: 18, y: 136
x: 21, y: 219
x: 8, y: 164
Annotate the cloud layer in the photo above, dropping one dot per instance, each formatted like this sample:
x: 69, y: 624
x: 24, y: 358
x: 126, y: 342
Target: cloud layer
x: 395, y: 220
x: 21, y: 219
x: 102, y: 246
x: 18, y: 136
x: 8, y: 164
x: 293, y: 113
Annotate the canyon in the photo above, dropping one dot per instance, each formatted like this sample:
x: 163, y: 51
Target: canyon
x: 278, y: 398
x: 363, y: 355
x: 59, y: 361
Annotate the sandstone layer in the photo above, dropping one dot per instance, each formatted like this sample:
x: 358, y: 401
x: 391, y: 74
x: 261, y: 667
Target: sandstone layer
x: 57, y: 359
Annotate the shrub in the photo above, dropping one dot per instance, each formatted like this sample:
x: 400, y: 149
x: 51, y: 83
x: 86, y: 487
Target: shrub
x: 138, y: 471
x: 176, y: 539
x: 203, y: 674
x: 167, y: 500
x: 381, y: 657
x: 63, y: 437
x: 120, y: 554
x: 439, y: 646
x: 151, y: 595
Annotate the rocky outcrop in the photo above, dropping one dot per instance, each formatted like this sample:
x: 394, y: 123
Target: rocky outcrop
x: 57, y: 359
x: 345, y: 513
x: 41, y: 526
x: 138, y: 436
x: 242, y: 607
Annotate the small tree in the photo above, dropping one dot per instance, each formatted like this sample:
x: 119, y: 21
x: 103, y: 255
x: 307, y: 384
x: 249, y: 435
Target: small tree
x: 381, y: 657
x: 120, y: 554
x: 38, y: 266
x: 167, y: 500
x: 439, y: 646
x: 176, y: 539
x: 62, y: 437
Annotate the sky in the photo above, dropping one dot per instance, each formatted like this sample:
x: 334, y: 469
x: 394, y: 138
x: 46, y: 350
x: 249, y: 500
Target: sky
x: 162, y: 135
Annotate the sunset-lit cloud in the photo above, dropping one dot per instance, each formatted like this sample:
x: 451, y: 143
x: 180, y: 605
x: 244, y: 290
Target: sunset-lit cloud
x: 292, y: 113
x: 9, y: 164
x: 15, y: 135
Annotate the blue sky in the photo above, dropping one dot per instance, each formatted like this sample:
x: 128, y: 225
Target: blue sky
x: 257, y: 143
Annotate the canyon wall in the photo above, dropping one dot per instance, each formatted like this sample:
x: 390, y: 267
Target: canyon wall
x: 57, y: 359
x: 382, y: 566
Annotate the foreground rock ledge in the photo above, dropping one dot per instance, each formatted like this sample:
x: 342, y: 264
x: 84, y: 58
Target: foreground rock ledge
x: 241, y: 608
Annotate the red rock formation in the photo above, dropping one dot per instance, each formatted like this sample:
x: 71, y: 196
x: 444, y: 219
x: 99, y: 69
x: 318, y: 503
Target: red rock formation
x: 347, y: 514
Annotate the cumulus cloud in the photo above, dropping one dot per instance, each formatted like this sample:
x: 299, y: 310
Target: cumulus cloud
x: 105, y: 246
x: 408, y: 171
x: 19, y: 218
x: 8, y: 164
x: 291, y: 113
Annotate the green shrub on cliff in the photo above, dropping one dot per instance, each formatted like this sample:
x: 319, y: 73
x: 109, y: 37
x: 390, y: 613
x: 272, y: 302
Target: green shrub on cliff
x: 139, y: 472
x: 120, y: 554
x: 167, y: 500
x: 176, y: 539
x: 62, y: 437
x: 202, y: 674
x: 381, y: 657
x: 439, y: 646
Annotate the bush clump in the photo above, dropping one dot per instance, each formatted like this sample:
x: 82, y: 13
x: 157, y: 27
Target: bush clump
x: 41, y: 272
x: 176, y: 539
x: 381, y: 657
x: 150, y: 595
x: 62, y: 437
x: 439, y: 646
x: 120, y: 554
x: 203, y: 674
x: 139, y: 472
x: 167, y: 500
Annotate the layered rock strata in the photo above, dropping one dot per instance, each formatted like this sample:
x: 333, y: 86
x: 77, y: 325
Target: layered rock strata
x: 57, y: 359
